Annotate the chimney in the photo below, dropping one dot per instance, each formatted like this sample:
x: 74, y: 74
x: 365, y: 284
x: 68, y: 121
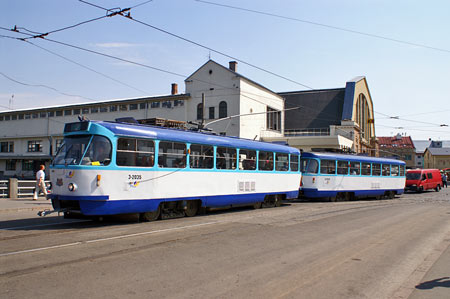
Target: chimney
x: 233, y: 65
x: 174, y: 88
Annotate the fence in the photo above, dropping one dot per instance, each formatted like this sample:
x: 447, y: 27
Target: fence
x: 3, y: 189
x: 14, y: 188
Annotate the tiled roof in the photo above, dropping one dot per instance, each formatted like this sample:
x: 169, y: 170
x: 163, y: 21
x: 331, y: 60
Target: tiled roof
x: 396, y: 142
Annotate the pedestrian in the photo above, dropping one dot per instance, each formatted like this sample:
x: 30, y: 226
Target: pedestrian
x: 40, y: 184
x: 444, y: 179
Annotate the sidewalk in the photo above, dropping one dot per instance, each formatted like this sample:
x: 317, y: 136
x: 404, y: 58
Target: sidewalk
x: 436, y: 282
x: 24, y: 204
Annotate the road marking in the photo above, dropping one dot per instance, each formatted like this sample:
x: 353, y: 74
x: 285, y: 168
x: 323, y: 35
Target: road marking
x: 108, y: 239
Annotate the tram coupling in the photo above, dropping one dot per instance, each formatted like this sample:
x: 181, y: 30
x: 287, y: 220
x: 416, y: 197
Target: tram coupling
x: 48, y: 212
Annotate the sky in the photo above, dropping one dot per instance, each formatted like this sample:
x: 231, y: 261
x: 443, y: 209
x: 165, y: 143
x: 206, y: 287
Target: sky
x: 401, y: 47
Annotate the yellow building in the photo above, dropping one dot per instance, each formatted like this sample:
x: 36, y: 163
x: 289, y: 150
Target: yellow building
x: 437, y: 158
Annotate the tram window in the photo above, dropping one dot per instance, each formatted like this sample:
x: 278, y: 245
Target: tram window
x: 172, y: 154
x: 313, y: 166
x: 303, y: 164
x: 342, y: 167
x: 394, y: 170
x: 226, y: 158
x: 386, y: 169
x: 135, y: 152
x: 402, y: 170
x: 376, y: 169
x: 294, y: 162
x: 201, y: 156
x: 365, y: 168
x: 98, y: 153
x: 247, y: 159
x: 355, y: 168
x: 281, y: 162
x: 72, y: 150
x: 265, y: 161
x: 126, y: 144
x: 327, y: 166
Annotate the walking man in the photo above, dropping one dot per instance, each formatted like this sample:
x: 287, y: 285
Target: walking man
x: 444, y: 179
x: 40, y: 184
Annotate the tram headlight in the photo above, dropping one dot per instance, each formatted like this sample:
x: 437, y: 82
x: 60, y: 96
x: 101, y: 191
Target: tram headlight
x: 72, y: 187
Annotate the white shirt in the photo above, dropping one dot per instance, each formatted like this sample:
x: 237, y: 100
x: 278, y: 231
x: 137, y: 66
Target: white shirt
x: 40, y: 174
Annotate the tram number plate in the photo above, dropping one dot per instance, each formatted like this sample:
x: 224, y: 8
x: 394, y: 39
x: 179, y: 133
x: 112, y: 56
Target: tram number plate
x: 135, y: 177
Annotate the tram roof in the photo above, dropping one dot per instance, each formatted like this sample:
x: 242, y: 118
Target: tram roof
x: 350, y: 157
x: 153, y: 132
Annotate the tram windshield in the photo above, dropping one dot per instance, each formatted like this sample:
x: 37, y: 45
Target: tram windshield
x: 413, y: 175
x: 75, y: 151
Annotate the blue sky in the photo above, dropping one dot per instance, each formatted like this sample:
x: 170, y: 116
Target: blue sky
x: 404, y: 80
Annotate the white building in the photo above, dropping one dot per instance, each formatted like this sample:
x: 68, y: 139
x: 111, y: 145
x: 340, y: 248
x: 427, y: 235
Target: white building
x: 30, y: 137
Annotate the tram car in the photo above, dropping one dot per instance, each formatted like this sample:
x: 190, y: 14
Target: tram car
x: 107, y: 168
x: 339, y: 177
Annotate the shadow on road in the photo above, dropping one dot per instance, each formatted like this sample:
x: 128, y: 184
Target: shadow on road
x: 61, y: 223
x: 443, y: 282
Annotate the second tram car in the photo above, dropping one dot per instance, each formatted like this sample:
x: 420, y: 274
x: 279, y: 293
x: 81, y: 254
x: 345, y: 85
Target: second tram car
x: 344, y: 177
x: 106, y: 168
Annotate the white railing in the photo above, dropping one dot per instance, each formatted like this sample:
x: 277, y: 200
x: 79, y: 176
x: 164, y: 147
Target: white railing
x: 4, y: 188
x: 307, y: 132
x: 26, y: 187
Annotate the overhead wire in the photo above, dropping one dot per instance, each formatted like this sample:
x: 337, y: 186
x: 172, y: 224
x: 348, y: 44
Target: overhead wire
x: 86, y: 67
x: 125, y: 60
x: 128, y: 16
x: 327, y: 26
x: 43, y: 86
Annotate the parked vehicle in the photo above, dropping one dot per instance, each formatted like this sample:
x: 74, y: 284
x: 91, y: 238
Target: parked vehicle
x: 423, y: 179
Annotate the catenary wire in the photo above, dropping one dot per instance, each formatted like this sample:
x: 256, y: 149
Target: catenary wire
x: 86, y: 67
x: 44, y: 86
x: 110, y: 56
x: 327, y: 26
x: 204, y: 46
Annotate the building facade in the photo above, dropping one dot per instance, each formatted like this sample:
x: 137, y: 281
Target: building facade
x: 437, y: 157
x: 338, y: 119
x: 398, y: 147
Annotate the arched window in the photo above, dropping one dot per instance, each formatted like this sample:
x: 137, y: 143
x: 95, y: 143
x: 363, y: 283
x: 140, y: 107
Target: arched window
x: 223, y: 109
x: 200, y: 111
x: 363, y: 116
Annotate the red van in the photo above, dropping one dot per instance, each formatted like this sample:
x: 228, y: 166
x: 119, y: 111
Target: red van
x: 423, y: 179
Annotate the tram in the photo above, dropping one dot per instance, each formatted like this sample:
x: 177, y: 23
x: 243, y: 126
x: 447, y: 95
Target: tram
x: 107, y: 168
x: 343, y: 177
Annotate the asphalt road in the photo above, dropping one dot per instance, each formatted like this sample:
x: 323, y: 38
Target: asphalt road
x: 359, y: 249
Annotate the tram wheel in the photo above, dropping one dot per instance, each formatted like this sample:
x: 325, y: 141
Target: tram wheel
x: 391, y: 194
x: 150, y: 216
x: 257, y: 205
x: 191, y: 208
x: 342, y: 196
x: 278, y: 200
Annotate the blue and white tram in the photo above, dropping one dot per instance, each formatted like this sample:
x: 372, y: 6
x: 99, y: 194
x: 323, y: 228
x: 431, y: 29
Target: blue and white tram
x: 344, y: 177
x: 107, y: 168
